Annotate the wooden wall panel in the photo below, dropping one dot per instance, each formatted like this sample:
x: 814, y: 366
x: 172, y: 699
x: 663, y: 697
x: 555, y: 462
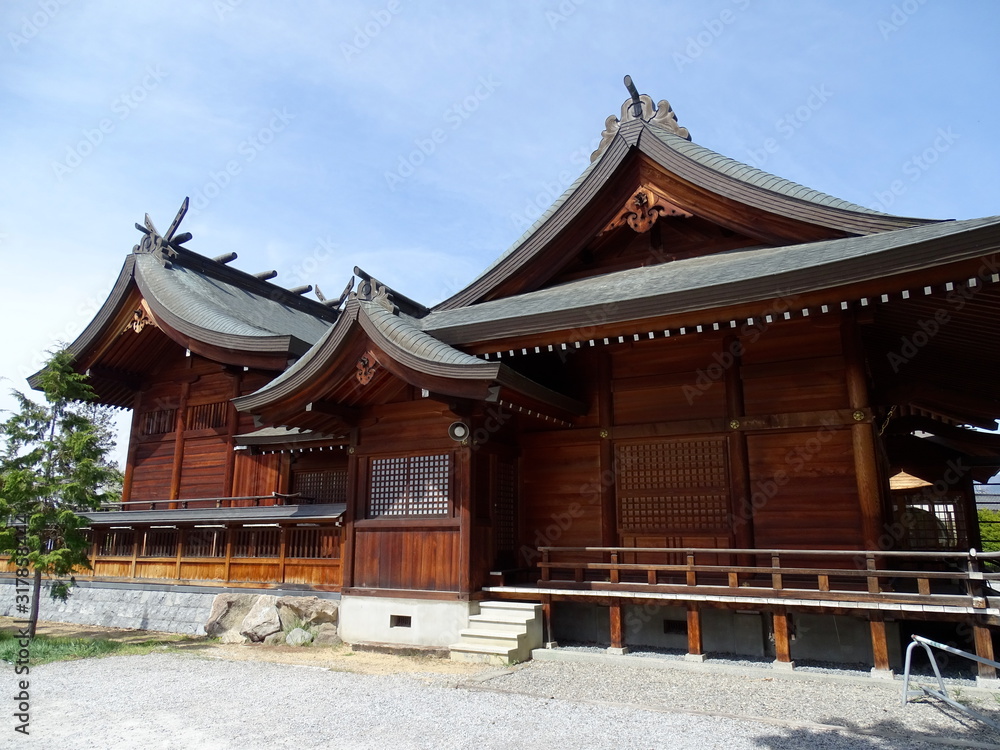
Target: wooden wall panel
x: 560, y: 501
x: 151, y: 473
x: 203, y: 472
x: 256, y: 474
x: 805, y: 494
x: 401, y: 558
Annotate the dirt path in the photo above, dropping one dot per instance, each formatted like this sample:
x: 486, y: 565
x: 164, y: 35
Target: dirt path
x: 340, y: 658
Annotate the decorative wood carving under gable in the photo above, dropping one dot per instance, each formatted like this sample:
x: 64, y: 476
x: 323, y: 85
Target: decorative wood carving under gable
x: 367, y: 367
x: 642, y: 210
x: 140, y: 319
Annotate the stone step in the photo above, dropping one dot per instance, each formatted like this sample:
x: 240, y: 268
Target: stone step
x: 510, y: 610
x: 484, y: 653
x: 496, y: 622
x: 494, y: 637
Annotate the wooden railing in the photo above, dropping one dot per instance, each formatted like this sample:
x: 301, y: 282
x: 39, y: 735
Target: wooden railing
x: 211, y: 502
x: 942, y: 578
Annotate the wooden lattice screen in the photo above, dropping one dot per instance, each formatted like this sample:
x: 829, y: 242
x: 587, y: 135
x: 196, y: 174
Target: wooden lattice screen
x: 326, y: 486
x: 205, y: 543
x: 673, y: 486
x: 159, y: 543
x: 505, y: 506
x: 251, y: 542
x: 313, y: 542
x: 207, y: 416
x: 157, y: 422
x: 117, y: 543
x: 410, y: 486
x: 930, y: 520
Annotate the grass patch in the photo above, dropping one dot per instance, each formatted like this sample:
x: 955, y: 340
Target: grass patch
x: 45, y: 649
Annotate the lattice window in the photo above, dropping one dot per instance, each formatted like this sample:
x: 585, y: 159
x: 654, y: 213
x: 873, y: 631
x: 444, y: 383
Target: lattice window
x: 157, y: 422
x: 929, y: 520
x: 313, y: 542
x: 207, y: 416
x: 117, y: 543
x: 327, y: 486
x: 410, y: 486
x: 505, y: 506
x: 205, y: 543
x: 257, y: 542
x: 673, y: 485
x: 159, y: 543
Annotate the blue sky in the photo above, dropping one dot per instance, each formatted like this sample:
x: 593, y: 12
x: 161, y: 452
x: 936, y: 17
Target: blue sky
x: 418, y: 140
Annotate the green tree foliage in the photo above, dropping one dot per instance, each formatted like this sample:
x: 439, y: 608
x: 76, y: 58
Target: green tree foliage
x: 989, y: 528
x: 54, y: 465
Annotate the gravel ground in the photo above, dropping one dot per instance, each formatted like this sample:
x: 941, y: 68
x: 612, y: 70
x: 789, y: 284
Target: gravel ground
x: 168, y: 700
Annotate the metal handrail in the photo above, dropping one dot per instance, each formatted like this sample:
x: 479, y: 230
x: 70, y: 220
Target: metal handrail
x: 942, y: 694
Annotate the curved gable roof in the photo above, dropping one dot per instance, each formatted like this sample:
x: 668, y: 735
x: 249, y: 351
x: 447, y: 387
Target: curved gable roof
x: 696, y: 166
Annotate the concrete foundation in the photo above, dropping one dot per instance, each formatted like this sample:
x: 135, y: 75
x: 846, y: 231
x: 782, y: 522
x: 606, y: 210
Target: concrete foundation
x: 814, y: 637
x: 170, y: 609
x: 422, y: 623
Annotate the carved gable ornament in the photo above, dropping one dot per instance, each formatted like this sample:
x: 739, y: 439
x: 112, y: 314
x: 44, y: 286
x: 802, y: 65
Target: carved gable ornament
x: 140, y: 319
x: 367, y: 367
x: 640, y: 107
x: 642, y: 209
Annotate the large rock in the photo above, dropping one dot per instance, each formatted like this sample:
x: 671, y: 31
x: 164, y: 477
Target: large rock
x: 298, y: 637
x: 228, y: 612
x: 307, y: 611
x: 326, y: 635
x: 262, y: 619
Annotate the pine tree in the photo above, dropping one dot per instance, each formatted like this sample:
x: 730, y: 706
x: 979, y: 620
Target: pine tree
x: 54, y: 465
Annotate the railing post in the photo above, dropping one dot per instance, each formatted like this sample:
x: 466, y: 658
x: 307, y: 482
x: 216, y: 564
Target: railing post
x: 973, y: 583
x: 692, y: 575
x: 614, y: 570
x: 775, y: 576
x: 546, y: 575
x: 873, y: 582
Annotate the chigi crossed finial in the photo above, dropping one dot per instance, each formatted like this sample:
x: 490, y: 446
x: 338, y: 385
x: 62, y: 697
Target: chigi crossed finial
x: 165, y: 246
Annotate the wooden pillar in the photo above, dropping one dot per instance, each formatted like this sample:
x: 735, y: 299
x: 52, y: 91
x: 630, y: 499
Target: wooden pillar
x: 862, y: 437
x: 739, y: 464
x: 695, y: 652
x: 282, y: 551
x: 550, y: 641
x: 229, y: 554
x: 462, y: 497
x: 354, y: 491
x: 782, y: 640
x: 880, y: 644
x: 179, y: 423
x: 133, y: 448
x: 179, y: 552
x: 617, y: 628
x: 984, y: 648
x: 232, y: 427
x: 605, y: 407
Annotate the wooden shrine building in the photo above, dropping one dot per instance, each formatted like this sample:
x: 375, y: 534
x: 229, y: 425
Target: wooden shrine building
x: 694, y: 406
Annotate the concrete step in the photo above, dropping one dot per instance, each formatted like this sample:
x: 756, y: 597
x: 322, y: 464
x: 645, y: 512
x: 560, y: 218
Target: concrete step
x: 510, y: 610
x: 496, y: 622
x: 471, y: 636
x: 485, y: 654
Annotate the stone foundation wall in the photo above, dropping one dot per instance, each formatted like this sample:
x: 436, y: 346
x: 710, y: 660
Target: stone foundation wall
x: 171, y: 609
